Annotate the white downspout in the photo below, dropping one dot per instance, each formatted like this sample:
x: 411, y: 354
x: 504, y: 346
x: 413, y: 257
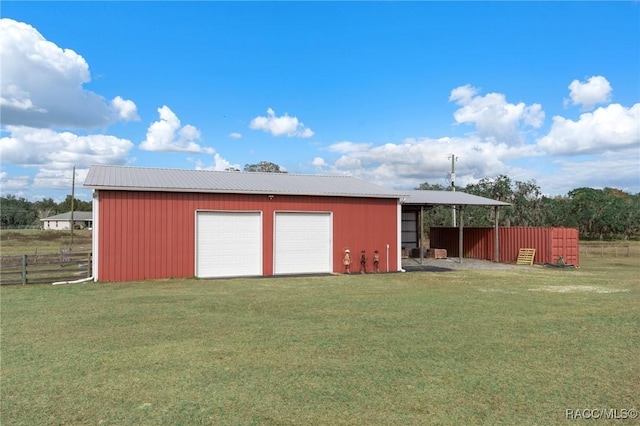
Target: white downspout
x: 94, y: 246
x: 81, y: 280
x: 387, y: 257
x: 399, y: 236
x: 95, y: 209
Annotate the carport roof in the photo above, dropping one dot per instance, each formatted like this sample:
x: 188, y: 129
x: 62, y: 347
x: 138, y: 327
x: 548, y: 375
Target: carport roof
x: 448, y: 198
x: 173, y: 180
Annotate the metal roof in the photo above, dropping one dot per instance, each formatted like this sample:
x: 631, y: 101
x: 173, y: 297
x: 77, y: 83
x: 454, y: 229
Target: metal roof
x: 448, y: 198
x: 67, y: 216
x: 174, y: 180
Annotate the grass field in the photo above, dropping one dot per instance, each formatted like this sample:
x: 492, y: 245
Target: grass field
x: 37, y: 241
x: 464, y: 347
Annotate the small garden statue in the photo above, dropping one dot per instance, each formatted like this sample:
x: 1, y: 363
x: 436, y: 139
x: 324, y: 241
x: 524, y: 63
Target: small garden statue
x: 376, y: 261
x: 346, y: 261
x: 363, y: 262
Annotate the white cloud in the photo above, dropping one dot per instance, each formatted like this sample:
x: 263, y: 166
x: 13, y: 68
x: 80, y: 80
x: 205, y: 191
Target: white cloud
x: 42, y: 84
x: 166, y: 134
x: 594, y: 91
x: 37, y: 147
x: 279, y: 126
x: 346, y: 147
x: 59, y: 179
x: 349, y: 164
x: 611, y: 169
x: 235, y: 135
x: 414, y: 161
x: 219, y: 164
x: 463, y: 95
x: 319, y: 162
x: 607, y: 142
x: 493, y: 116
x: 125, y: 109
x: 607, y: 128
x: 13, y: 183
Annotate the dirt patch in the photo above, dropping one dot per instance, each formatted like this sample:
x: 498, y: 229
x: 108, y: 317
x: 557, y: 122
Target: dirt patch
x: 575, y: 288
x: 497, y: 290
x: 452, y: 264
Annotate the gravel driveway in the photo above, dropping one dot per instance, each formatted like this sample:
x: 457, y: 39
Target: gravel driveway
x: 450, y: 264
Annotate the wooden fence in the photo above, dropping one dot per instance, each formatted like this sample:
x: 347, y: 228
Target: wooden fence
x: 44, y: 268
x: 609, y: 250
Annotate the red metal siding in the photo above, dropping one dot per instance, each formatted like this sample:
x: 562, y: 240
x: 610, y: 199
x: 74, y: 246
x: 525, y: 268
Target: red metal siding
x: 150, y: 235
x: 477, y: 242
x: 549, y: 243
x: 564, y: 242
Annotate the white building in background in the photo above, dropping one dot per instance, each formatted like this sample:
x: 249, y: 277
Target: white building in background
x: 63, y: 221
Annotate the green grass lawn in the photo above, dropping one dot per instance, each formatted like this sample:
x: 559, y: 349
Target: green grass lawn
x: 465, y: 347
x: 38, y: 241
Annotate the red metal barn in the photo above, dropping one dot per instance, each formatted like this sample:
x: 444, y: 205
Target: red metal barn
x: 162, y: 223
x: 550, y: 243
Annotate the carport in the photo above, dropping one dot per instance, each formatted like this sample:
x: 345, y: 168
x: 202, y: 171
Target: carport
x: 417, y: 200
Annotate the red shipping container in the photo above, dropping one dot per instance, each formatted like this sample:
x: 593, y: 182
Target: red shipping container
x: 551, y: 244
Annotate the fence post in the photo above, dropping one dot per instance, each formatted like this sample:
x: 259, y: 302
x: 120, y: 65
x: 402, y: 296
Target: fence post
x: 24, y: 269
x: 89, y: 265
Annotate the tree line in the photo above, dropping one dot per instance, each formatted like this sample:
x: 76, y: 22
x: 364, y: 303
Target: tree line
x: 598, y: 214
x: 21, y: 213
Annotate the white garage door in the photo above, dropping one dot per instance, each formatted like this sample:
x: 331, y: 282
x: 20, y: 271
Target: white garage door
x: 228, y: 244
x: 302, y: 243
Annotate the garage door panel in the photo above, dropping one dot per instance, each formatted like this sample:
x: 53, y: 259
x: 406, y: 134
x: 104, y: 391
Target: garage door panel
x: 302, y: 243
x: 228, y: 244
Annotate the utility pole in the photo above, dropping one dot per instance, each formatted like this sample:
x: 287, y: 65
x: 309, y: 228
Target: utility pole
x: 73, y: 195
x: 453, y: 185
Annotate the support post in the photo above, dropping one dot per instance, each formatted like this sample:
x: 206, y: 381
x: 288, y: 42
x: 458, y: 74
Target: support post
x: 460, y: 234
x: 24, y: 269
x: 496, y: 237
x: 422, y: 235
x: 73, y: 195
x: 453, y: 188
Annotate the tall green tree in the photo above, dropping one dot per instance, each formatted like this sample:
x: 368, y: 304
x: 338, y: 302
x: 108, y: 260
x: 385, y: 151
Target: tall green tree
x: 45, y: 208
x: 604, y: 214
x: 556, y: 212
x: 78, y: 205
x: 16, y: 212
x: 265, y: 167
x: 426, y: 186
x: 499, y: 188
x: 632, y: 216
x: 527, y: 204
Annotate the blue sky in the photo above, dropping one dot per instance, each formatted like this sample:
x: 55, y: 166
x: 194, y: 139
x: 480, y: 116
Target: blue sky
x: 382, y: 91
